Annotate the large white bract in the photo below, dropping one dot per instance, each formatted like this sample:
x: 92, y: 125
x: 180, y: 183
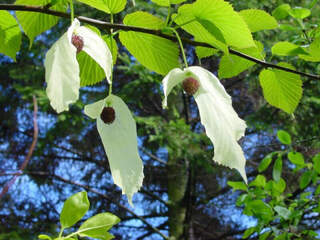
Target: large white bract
x: 62, y: 68
x: 120, y: 143
x: 221, y: 122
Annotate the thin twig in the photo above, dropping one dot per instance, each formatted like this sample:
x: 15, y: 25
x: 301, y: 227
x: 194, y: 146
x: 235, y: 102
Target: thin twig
x: 108, y: 26
x: 30, y: 152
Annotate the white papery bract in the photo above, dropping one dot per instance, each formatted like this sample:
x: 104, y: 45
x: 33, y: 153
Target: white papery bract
x: 221, y: 122
x: 62, y: 68
x: 120, y: 143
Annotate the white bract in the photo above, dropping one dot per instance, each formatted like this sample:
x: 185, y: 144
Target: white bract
x: 221, y: 122
x: 120, y: 143
x: 62, y: 68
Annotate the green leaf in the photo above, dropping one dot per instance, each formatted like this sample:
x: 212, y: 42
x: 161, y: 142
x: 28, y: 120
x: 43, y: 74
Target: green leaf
x: 305, y: 179
x: 284, y: 137
x: 74, y: 208
x: 166, y: 3
x: 186, y: 19
x: 265, y: 163
x: 313, y: 51
x: 287, y: 49
x: 10, y: 35
x: 248, y: 232
x: 277, y: 169
x: 264, y: 236
x: 296, y: 158
x: 232, y: 65
x: 281, y: 11
x: 279, y: 186
x: 212, y: 29
x: 281, y: 89
x: 299, y: 13
x: 203, y: 52
x: 317, y: 192
x: 33, y: 23
x: 42, y: 236
x: 260, y: 210
x: 259, y: 181
x: 258, y: 20
x: 283, y: 212
x: 98, y: 226
x: 108, y: 6
x: 156, y: 53
x: 316, y: 163
x: 221, y: 14
x: 237, y: 186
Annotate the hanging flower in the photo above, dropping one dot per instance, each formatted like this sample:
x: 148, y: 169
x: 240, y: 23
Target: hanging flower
x: 117, y: 130
x: 221, y: 122
x: 62, y: 68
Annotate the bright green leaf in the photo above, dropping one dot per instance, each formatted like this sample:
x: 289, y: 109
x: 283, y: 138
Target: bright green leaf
x: 299, y: 13
x: 156, y: 53
x: 258, y: 20
x: 212, y: 29
x: 166, y: 3
x: 296, y: 158
x: 283, y: 212
x: 248, y: 232
x: 74, y: 208
x: 42, y: 236
x: 316, y: 163
x: 260, y: 209
x: 34, y: 23
x: 284, y: 137
x: 203, y: 52
x: 281, y: 89
x: 279, y: 186
x: 313, y: 51
x: 108, y: 6
x: 277, y: 169
x: 305, y: 179
x: 287, y: 49
x: 238, y: 185
x: 221, y: 14
x: 264, y: 236
x: 232, y: 65
x: 281, y: 11
x: 10, y: 35
x: 259, y: 181
x: 265, y: 163
x: 98, y: 226
x: 113, y: 46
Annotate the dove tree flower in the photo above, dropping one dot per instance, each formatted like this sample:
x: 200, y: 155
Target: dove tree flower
x: 221, y: 122
x: 62, y: 68
x: 117, y: 130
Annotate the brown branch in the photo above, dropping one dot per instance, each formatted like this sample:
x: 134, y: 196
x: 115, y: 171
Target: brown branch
x: 30, y: 152
x: 108, y: 26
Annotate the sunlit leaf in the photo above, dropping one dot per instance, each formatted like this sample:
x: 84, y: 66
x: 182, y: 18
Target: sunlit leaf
x: 108, y: 6
x: 258, y: 20
x: 166, y: 3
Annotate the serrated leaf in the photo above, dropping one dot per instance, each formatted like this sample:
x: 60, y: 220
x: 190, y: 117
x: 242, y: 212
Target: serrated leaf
x: 74, y: 208
x: 258, y: 20
x: 281, y: 11
x: 120, y: 143
x: 232, y: 65
x: 156, y: 53
x: 305, y: 179
x: 281, y: 89
x: 108, y: 6
x: 98, y: 226
x: 212, y: 29
x: 203, y: 52
x: 221, y: 14
x: 237, y: 186
x: 10, y: 35
x: 167, y: 3
x: 284, y: 137
x: 287, y: 49
x: 259, y: 181
x: 313, y: 51
x: 296, y: 158
x: 186, y: 15
x: 277, y: 169
x: 34, y: 23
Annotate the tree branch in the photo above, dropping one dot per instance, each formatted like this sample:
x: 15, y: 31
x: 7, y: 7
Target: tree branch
x: 108, y: 26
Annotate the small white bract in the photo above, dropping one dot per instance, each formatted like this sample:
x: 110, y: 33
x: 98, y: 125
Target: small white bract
x: 62, y: 68
x: 221, y: 122
x: 120, y: 143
